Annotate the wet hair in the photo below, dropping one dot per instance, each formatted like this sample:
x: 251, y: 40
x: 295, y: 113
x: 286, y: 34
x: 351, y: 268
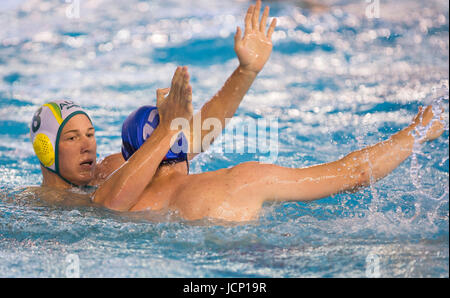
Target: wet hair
x: 170, y: 162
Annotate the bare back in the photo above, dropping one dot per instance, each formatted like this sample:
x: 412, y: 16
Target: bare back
x: 228, y: 194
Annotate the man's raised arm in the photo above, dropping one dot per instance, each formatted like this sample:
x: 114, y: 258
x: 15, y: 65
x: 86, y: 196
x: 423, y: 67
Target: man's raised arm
x: 253, y: 51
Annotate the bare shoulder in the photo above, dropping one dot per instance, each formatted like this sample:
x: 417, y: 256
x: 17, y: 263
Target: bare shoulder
x: 60, y: 197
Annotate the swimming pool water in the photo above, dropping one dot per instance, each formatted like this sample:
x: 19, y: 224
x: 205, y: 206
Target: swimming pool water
x: 337, y: 81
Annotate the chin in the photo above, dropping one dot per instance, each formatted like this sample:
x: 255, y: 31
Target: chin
x: 85, y: 180
x: 85, y: 177
x: 82, y: 179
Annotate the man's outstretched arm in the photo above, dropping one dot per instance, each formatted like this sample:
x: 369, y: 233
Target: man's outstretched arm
x: 357, y: 169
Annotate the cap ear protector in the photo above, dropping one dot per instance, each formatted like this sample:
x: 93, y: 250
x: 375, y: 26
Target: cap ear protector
x: 44, y: 150
x: 46, y: 126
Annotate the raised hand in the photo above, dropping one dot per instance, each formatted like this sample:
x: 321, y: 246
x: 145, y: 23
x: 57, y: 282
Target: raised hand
x: 178, y: 103
x: 422, y: 120
x: 253, y: 50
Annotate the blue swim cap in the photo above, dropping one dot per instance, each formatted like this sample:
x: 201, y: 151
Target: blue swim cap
x: 139, y: 125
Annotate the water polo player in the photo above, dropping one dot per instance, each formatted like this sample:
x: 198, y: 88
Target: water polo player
x: 64, y: 160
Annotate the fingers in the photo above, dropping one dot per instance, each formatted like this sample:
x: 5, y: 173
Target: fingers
x: 248, y: 20
x: 176, y: 79
x: 262, y: 25
x: 237, y: 36
x: 181, y: 81
x: 252, y: 19
x: 271, y: 28
x: 418, y: 118
x: 160, y: 94
x: 425, y: 115
x: 178, y: 104
x: 187, y: 93
x: 188, y: 99
x: 255, y: 17
x: 187, y: 89
x: 427, y: 111
x: 183, y: 91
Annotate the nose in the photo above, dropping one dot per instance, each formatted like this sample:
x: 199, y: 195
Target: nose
x: 87, y: 144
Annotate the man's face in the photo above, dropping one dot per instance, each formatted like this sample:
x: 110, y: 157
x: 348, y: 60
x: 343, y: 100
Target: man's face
x: 77, y: 150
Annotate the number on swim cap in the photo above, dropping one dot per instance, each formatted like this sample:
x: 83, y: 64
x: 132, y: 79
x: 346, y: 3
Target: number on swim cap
x: 148, y: 129
x: 152, y: 115
x: 36, y: 123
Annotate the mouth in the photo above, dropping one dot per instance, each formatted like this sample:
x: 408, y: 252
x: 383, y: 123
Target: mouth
x: 87, y: 163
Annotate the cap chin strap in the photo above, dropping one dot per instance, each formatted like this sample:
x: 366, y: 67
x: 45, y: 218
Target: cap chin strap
x: 67, y: 181
x: 60, y: 176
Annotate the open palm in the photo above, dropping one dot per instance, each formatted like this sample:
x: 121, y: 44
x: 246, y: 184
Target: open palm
x: 254, y: 48
x: 423, y: 118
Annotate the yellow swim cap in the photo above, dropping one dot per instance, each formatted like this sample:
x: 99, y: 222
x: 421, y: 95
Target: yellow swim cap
x: 46, y: 127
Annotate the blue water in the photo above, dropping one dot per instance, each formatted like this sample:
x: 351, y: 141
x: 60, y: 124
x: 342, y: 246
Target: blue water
x: 336, y: 81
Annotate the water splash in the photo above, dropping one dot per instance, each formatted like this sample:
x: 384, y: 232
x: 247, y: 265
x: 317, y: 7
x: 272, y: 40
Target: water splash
x: 427, y: 205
